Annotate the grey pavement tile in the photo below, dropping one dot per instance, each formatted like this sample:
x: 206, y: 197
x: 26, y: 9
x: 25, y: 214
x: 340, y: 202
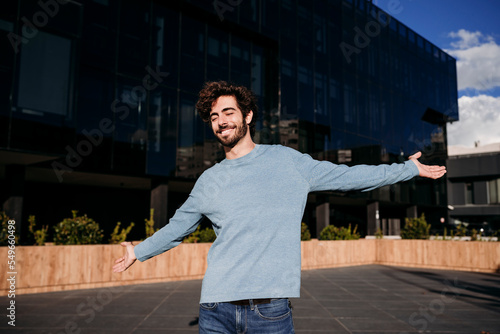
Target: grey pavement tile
x: 110, y: 321
x: 162, y: 331
x: 309, y: 308
x: 357, y: 324
x: 387, y: 331
x: 346, y: 303
x: 45, y: 320
x: 357, y: 312
x: 394, y: 304
x: 319, y: 331
x: 170, y: 322
x: 444, y: 325
x: 175, y: 309
x: 312, y: 323
x: 329, y: 295
x: 127, y: 306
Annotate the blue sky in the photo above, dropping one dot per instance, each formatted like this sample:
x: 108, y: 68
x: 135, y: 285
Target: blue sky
x: 469, y: 30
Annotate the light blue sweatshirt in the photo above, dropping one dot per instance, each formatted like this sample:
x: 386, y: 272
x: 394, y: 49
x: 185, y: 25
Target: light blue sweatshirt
x: 256, y: 204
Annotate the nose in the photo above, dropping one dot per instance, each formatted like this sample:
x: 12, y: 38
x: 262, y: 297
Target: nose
x: 222, y: 120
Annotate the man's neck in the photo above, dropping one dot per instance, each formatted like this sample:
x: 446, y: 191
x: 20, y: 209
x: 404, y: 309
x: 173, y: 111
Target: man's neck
x: 242, y: 148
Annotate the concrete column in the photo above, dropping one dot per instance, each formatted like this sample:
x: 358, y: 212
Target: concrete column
x: 383, y: 224
x: 322, y: 216
x: 373, y: 218
x: 394, y: 226
x: 412, y: 212
x: 159, y: 201
x: 13, y: 204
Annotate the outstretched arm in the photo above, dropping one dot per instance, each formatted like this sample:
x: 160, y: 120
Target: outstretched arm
x: 432, y: 172
x: 126, y: 260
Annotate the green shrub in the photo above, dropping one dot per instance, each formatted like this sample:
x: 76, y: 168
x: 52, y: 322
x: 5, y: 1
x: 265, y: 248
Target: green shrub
x: 38, y: 235
x: 4, y: 232
x: 379, y: 234
x: 474, y: 235
x: 305, y: 234
x: 497, y: 234
x: 118, y: 236
x: 150, y: 223
x: 416, y: 228
x: 200, y: 236
x: 332, y: 232
x: 77, y: 231
x: 461, y: 230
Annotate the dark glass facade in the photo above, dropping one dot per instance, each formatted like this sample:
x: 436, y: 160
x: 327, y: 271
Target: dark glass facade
x: 97, y: 102
x: 474, y: 190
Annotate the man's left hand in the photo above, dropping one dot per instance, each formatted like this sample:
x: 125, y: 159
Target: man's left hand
x: 432, y: 172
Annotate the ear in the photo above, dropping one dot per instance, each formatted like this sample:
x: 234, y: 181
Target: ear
x: 249, y: 117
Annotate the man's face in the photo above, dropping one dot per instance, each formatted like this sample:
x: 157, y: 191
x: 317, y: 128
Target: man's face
x: 227, y: 121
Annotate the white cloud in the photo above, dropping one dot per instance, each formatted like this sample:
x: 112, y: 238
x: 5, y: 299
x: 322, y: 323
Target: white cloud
x: 478, y: 74
x: 478, y: 60
x: 468, y: 39
x: 479, y: 121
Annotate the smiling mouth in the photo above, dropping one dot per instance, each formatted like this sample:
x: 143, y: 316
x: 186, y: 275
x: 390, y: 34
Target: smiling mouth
x: 225, y: 131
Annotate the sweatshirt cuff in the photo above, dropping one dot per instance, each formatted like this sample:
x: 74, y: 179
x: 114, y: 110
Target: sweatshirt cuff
x: 137, y: 252
x: 414, y: 169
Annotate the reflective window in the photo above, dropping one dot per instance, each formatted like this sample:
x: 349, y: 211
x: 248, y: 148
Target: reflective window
x: 270, y: 22
x: 240, y: 61
x: 192, y: 61
x: 494, y: 191
x: 133, y: 45
x: 96, y: 100
x: 100, y: 35
x: 162, y: 132
x: 44, y: 75
x: 217, y: 55
x: 249, y: 13
x: 7, y: 56
x: 257, y: 71
x: 469, y: 193
x: 165, y: 44
x: 130, y: 109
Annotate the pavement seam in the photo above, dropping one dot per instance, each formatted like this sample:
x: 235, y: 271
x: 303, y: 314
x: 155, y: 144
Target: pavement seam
x: 324, y: 308
x: 156, y: 308
x: 371, y: 304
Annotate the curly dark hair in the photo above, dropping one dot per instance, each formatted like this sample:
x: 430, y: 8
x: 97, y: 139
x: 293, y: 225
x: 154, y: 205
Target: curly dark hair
x: 245, y: 99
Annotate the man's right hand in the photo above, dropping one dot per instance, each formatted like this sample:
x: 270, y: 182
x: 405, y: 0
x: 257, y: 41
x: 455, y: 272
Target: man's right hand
x: 127, y: 260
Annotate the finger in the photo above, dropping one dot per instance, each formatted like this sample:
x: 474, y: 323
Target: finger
x: 119, y: 267
x: 416, y: 155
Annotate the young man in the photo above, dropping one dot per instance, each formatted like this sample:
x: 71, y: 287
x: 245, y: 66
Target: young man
x: 255, y: 199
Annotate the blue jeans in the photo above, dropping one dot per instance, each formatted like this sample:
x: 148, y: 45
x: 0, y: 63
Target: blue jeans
x: 226, y: 318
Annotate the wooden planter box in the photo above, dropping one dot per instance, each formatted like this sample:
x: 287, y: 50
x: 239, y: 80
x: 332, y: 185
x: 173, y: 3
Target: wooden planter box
x: 54, y: 268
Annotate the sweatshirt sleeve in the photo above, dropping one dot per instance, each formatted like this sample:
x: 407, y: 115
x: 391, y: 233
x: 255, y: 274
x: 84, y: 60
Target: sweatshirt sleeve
x: 324, y: 175
x: 184, y: 222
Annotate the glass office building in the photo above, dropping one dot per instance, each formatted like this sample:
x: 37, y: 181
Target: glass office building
x: 97, y: 102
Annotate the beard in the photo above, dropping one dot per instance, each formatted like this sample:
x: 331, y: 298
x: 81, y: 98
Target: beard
x: 240, y: 130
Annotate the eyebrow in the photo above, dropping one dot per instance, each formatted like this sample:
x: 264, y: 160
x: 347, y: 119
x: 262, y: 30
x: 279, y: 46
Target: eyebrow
x: 223, y: 110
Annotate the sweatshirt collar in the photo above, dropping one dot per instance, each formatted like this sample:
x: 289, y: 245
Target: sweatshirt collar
x: 247, y: 157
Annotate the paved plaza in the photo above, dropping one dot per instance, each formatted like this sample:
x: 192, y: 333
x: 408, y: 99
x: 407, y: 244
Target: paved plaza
x: 372, y: 299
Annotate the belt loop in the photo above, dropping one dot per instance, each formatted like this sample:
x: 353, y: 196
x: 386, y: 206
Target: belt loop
x: 251, y: 304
